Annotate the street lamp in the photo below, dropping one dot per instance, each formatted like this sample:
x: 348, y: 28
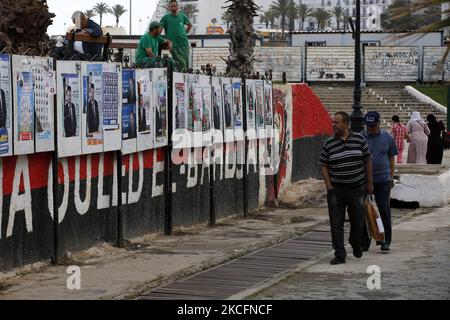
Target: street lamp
x: 357, y: 123
x: 131, y: 17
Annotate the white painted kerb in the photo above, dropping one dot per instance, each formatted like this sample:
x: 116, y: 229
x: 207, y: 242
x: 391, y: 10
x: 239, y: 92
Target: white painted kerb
x: 426, y: 99
x: 428, y: 190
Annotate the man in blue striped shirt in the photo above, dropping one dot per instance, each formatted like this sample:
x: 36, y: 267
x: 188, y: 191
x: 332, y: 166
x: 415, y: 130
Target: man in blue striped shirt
x: 347, y: 172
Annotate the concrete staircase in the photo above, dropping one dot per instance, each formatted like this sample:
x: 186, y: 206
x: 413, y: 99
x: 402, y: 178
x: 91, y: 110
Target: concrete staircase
x: 388, y: 100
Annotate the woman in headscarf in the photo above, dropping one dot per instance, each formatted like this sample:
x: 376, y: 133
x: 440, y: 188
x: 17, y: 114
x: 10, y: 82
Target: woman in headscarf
x: 418, y: 132
x: 435, y: 150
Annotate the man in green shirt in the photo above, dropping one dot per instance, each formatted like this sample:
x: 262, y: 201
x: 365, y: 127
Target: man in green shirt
x: 174, y: 24
x: 148, y: 49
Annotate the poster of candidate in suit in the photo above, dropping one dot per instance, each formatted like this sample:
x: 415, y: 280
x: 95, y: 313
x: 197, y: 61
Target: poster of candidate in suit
x: 129, y: 120
x: 69, y: 108
x: 159, y: 81
x: 5, y: 106
x: 259, y: 89
x: 268, y: 108
x: 145, y: 107
x: 228, y: 112
x: 93, y: 108
x: 217, y: 110
x: 238, y: 110
x: 251, y: 108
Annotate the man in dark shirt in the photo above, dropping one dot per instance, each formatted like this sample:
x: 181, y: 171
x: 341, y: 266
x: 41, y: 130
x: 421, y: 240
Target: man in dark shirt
x: 85, y: 25
x: 93, y: 116
x: 70, y: 120
x: 347, y: 172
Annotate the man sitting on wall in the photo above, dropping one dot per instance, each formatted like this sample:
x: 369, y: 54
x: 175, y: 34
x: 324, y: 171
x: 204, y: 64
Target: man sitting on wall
x: 149, y: 45
x: 82, y: 50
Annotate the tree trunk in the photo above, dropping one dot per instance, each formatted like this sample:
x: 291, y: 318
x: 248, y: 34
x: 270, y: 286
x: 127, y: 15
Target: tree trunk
x: 240, y: 61
x: 283, y: 24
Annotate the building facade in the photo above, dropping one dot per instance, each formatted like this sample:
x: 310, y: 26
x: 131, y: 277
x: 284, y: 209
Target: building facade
x: 204, y: 13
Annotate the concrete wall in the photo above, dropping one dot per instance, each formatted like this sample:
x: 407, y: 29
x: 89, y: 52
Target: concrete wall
x: 391, y: 64
x: 286, y: 59
x: 435, y: 67
x: 88, y: 185
x: 330, y: 63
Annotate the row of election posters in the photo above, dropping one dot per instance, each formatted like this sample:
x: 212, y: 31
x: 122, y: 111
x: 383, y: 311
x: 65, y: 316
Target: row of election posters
x: 104, y: 108
x: 210, y: 110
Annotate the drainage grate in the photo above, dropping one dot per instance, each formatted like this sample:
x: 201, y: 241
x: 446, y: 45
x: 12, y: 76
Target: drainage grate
x: 233, y: 277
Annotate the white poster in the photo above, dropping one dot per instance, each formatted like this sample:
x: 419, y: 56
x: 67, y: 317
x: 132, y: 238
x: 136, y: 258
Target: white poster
x: 33, y: 104
x: 205, y: 83
x: 217, y: 110
x: 145, y: 110
x: 129, y: 116
x: 194, y: 110
x: 69, y: 108
x: 238, y: 110
x: 180, y: 134
x: 251, y: 108
x: 228, y: 112
x: 260, y: 126
x: 5, y: 106
x: 268, y: 108
x: 112, y: 106
x: 92, y: 116
x: 159, y: 81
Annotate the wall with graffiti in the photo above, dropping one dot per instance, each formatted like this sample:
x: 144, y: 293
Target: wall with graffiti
x: 87, y: 189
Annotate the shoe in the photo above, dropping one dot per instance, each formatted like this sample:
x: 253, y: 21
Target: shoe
x: 365, y: 248
x: 357, y: 252
x: 336, y: 261
x: 385, y: 248
x: 379, y: 243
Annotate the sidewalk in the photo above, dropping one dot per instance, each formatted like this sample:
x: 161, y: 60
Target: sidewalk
x: 147, y: 262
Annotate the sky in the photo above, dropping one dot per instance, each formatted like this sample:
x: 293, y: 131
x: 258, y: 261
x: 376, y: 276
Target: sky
x: 63, y: 9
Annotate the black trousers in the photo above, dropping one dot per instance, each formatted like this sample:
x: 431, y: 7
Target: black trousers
x: 339, y: 201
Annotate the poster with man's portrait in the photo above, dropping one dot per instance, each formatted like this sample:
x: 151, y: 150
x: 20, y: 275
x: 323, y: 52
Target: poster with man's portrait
x: 112, y: 106
x: 69, y: 108
x: 129, y: 120
x: 5, y: 106
x: 238, y: 110
x: 92, y: 75
x: 159, y: 81
x: 145, y: 110
x: 205, y: 83
x: 260, y: 123
x: 251, y: 108
x: 181, y: 134
x: 217, y: 110
x: 268, y: 108
x: 228, y: 112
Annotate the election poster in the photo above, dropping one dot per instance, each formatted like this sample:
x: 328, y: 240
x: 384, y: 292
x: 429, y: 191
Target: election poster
x: 92, y: 117
x: 129, y: 121
x: 205, y: 83
x: 5, y: 106
x: 238, y: 110
x: 251, y: 108
x: 259, y: 88
x: 145, y: 107
x: 69, y: 108
x: 268, y: 108
x: 112, y: 110
x: 180, y: 134
x: 228, y: 112
x: 159, y: 81
x: 217, y: 110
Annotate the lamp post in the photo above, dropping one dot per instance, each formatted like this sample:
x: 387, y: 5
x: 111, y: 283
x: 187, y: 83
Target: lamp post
x: 131, y: 17
x: 357, y: 114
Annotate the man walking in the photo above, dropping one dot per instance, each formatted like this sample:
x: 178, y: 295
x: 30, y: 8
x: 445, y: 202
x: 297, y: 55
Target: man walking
x: 347, y: 172
x: 383, y: 149
x: 174, y: 25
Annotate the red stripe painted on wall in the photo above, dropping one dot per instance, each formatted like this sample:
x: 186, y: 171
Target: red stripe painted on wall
x: 309, y: 116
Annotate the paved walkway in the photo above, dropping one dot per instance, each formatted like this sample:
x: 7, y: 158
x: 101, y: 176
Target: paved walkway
x: 418, y: 267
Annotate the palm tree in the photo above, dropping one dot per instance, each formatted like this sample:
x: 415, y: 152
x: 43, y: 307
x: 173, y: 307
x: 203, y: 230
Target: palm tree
x: 292, y: 15
x: 240, y: 61
x: 264, y: 18
x: 189, y: 10
x: 101, y: 8
x: 117, y: 11
x: 281, y: 9
x: 303, y: 13
x: 89, y: 13
x: 322, y: 16
x: 338, y: 13
x: 226, y: 17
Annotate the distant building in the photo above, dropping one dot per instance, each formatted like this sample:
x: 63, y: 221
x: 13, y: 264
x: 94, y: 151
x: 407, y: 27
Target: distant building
x: 206, y: 10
